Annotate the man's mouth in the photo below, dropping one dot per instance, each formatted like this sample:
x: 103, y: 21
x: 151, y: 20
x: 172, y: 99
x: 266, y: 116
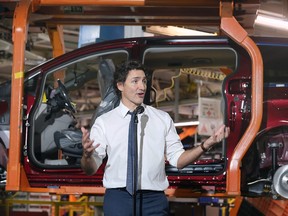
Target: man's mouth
x: 141, y: 94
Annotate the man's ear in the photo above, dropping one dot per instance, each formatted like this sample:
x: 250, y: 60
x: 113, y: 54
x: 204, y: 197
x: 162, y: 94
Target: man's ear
x: 120, y: 86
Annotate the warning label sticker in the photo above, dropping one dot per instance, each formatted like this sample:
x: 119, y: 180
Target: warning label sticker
x: 210, y: 115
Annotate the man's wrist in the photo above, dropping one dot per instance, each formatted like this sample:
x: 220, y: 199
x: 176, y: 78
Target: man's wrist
x: 204, y: 149
x: 86, y: 154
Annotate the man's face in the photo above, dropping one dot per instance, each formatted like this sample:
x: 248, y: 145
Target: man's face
x: 133, y: 89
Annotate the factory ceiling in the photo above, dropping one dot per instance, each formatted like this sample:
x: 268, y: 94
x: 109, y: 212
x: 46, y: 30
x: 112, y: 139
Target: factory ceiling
x: 200, y: 15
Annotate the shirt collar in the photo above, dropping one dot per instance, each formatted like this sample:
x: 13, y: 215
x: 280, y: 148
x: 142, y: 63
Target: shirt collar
x: 124, y: 110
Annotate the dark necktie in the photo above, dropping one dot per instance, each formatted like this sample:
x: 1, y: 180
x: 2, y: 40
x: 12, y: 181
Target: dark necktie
x: 132, y: 167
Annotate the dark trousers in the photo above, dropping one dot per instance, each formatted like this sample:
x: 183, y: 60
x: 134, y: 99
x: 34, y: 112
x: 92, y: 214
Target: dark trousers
x: 118, y: 202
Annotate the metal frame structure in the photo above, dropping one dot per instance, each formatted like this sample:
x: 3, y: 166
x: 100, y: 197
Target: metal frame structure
x: 16, y: 178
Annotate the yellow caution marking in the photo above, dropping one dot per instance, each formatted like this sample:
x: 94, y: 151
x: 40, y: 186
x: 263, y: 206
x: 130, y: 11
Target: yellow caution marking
x: 19, y: 75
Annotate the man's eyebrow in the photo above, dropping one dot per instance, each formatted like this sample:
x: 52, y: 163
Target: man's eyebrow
x: 137, y: 77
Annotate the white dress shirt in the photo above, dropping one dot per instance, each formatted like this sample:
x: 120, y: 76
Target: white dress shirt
x: 157, y: 141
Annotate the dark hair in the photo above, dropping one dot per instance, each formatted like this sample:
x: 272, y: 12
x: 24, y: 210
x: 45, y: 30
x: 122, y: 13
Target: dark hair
x: 122, y: 71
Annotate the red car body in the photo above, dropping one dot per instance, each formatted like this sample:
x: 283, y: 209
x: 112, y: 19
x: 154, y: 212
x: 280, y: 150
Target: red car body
x: 44, y: 169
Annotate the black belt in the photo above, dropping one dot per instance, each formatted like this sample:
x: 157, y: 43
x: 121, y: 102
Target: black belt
x: 138, y: 191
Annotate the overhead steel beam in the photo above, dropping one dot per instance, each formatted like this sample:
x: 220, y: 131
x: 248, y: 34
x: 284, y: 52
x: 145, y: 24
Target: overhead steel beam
x: 89, y: 2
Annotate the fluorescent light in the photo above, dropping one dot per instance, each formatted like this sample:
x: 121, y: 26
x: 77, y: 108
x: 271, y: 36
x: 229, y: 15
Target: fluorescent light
x: 271, y: 22
x: 190, y: 123
x: 270, y: 13
x: 176, y: 31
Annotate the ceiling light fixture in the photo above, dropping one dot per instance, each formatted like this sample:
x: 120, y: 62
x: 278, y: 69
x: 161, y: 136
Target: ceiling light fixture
x: 176, y: 31
x: 271, y: 22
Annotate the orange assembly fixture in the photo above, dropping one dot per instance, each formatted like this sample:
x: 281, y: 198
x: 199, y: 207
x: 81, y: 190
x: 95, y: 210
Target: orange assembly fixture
x: 20, y: 24
x: 16, y: 178
x: 233, y: 29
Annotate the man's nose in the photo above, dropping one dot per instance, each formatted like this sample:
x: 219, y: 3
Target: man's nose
x: 142, y: 85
